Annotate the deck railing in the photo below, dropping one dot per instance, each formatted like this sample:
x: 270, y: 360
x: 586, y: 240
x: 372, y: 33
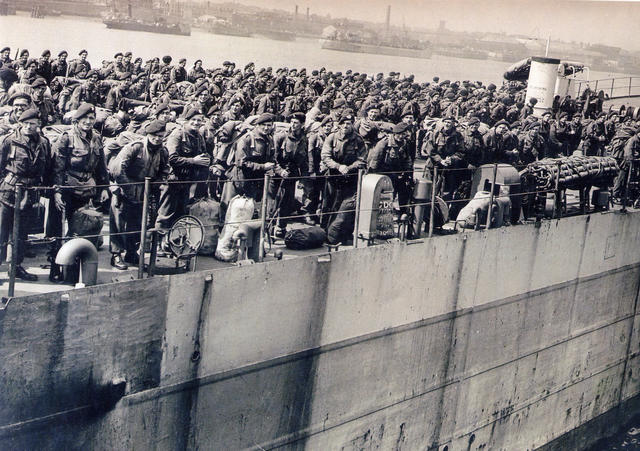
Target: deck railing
x: 614, y: 88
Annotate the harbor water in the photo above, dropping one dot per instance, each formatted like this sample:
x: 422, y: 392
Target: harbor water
x: 76, y: 33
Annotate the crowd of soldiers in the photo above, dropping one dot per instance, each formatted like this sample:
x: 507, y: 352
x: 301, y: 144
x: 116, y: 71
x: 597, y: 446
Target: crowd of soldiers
x: 216, y: 132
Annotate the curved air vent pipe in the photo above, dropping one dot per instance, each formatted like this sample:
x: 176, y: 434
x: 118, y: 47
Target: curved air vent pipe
x: 83, y: 250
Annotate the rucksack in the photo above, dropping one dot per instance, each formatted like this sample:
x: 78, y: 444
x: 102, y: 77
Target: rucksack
x: 307, y: 238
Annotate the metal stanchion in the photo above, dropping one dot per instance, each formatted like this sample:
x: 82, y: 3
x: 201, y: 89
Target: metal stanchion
x: 263, y: 216
x: 143, y: 226
x: 15, y: 238
x: 556, y: 195
x: 357, y: 219
x: 625, y: 191
x: 433, y: 200
x: 491, y: 196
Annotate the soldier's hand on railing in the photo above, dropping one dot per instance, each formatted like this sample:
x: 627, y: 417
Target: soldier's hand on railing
x: 343, y: 169
x: 57, y: 198
x: 104, y: 196
x: 201, y: 160
x: 269, y: 166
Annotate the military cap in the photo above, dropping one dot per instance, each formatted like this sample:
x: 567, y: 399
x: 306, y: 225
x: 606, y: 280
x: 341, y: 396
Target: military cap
x: 161, y: 107
x: 128, y: 54
x: 491, y: 87
x: 474, y: 120
x: 166, y: 70
x: 215, y: 108
x: 436, y: 79
x: 166, y: 59
x: 24, y: 52
x: 463, y: 92
x: 339, y: 102
x: 39, y: 82
x: 532, y: 125
x: 326, y: 120
x: 248, y: 65
x: 226, y: 63
x: 93, y: 72
x: 577, y: 115
x: 46, y: 53
x: 18, y: 95
x: 202, y: 88
x: 450, y: 95
x: 236, y: 99
x: 197, y: 61
x: 400, y: 128
x: 503, y: 122
x: 264, y: 118
x: 31, y: 113
x: 314, y: 73
x: 372, y: 106
x: 407, y: 110
x: 346, y: 116
x: 83, y: 51
x: 182, y: 60
x: 299, y: 116
x: 563, y: 115
x: 155, y: 127
x: 302, y: 71
x: 118, y: 54
x: 193, y: 112
x: 516, y: 124
x: 547, y: 113
x: 5, y: 49
x: 449, y: 118
x: 84, y: 109
x: 601, y: 114
x: 8, y: 75
x: 63, y: 52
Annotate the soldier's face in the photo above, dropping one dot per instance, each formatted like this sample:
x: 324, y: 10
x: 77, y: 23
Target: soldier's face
x: 501, y: 129
x: 5, y: 54
x: 119, y: 59
x: 83, y: 56
x: 155, y: 140
x: 63, y: 58
x: 408, y: 119
x: 195, y: 122
x: 164, y: 115
x: 265, y: 128
x: 296, y: 125
x: 347, y: 127
x: 86, y: 122
x: 20, y: 106
x: 236, y: 107
x: 448, y: 125
x: 373, y: 114
x: 30, y: 127
x: 474, y: 127
x: 127, y: 59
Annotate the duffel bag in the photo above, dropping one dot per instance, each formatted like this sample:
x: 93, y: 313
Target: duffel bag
x: 307, y: 238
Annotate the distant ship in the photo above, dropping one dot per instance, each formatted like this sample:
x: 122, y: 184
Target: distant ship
x: 217, y: 25
x: 150, y: 27
x: 377, y: 49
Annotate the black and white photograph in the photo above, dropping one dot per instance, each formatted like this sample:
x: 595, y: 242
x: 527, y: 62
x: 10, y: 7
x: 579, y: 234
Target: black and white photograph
x: 350, y: 225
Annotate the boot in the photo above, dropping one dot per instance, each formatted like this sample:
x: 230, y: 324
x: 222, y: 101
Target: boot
x: 131, y: 258
x: 116, y: 262
x: 22, y: 273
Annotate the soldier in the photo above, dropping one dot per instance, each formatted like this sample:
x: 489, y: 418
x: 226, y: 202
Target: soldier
x: 445, y: 150
x: 293, y: 161
x: 474, y: 147
x: 79, y: 164
x: 48, y: 114
x: 255, y: 156
x: 85, y: 92
x: 179, y: 73
x: 5, y: 57
x: 188, y: 161
x: 313, y: 186
x: 7, y: 78
x: 343, y: 154
x: 594, y: 137
x: 59, y: 66
x: 44, y: 66
x: 19, y: 102
x: 392, y: 154
x: 501, y: 144
x: 136, y: 161
x: 25, y: 158
x: 80, y: 67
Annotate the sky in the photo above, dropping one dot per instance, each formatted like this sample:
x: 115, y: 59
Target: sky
x: 601, y: 22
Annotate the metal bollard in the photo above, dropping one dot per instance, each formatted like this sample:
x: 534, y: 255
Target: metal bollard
x: 433, y: 200
x: 15, y: 238
x: 263, y: 216
x: 357, y: 219
x: 491, y: 196
x: 143, y: 228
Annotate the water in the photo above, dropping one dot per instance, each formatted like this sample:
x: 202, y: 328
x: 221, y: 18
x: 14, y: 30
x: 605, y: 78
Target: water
x: 76, y: 33
x: 626, y: 440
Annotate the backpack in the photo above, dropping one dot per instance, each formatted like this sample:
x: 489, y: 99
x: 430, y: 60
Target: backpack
x: 307, y: 238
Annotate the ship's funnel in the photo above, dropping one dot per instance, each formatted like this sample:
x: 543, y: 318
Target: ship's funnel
x: 543, y: 76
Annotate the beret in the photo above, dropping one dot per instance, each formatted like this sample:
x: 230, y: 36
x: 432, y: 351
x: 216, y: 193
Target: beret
x: 214, y: 109
x: 4, y: 49
x: 407, y: 110
x: 197, y: 61
x: 372, y: 106
x: 182, y: 60
x: 264, y: 118
x: 128, y: 54
x: 248, y: 65
x: 578, y: 115
x: 118, y: 54
x: 63, y: 52
x: 193, y: 112
x: 45, y: 53
x: 502, y: 122
x: 314, y: 72
x: 39, y: 82
x: 339, y: 102
x: 327, y: 119
x: 226, y: 63
x: 24, y: 52
x: 449, y: 118
x: 84, y: 109
x: 91, y: 73
x: 491, y: 87
x: 161, y: 107
x: 299, y: 116
x: 563, y: 115
x: 202, y: 88
x: 400, y: 127
x: 83, y: 51
x: 18, y: 95
x: 155, y: 127
x: 474, y: 120
x: 547, y: 112
x: 346, y: 116
x: 8, y: 75
x: 166, y: 59
x: 31, y: 113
